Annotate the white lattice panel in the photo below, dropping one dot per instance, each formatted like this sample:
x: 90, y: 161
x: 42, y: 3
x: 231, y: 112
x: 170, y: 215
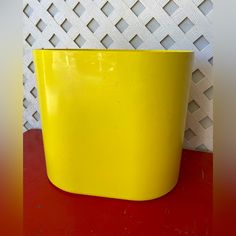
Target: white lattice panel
x: 126, y: 24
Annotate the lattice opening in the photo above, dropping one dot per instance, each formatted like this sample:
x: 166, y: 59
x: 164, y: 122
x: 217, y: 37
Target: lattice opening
x: 31, y: 66
x: 202, y: 148
x: 25, y: 103
x: 36, y: 116
x: 209, y: 93
x: 197, y: 75
x: 66, y: 25
x: 93, y: 25
x: 79, y: 40
x: 107, y: 9
x: 205, y: 7
x: 186, y: 25
x: 171, y: 7
x: 189, y: 134
x: 136, y: 41
x: 107, y: 41
x: 211, y: 61
x: 121, y: 25
x: 193, y: 106
x: 167, y: 42
x: 41, y: 25
x: 34, y: 92
x: 201, y: 43
x: 54, y: 40
x: 27, y: 125
x: 30, y: 40
x: 206, y: 122
x: 52, y: 10
x: 28, y: 10
x: 137, y: 8
x: 79, y: 9
x: 152, y: 25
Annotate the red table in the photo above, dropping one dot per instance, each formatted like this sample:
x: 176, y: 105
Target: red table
x: 48, y: 211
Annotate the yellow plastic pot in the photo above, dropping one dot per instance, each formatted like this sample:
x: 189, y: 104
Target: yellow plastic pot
x: 113, y: 120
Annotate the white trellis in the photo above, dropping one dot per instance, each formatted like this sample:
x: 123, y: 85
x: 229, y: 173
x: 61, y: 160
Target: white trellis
x: 144, y: 24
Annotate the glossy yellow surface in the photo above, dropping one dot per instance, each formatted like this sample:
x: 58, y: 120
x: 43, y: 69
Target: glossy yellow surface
x: 113, y: 121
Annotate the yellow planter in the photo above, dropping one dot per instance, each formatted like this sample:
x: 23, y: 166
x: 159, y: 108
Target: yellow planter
x: 112, y: 120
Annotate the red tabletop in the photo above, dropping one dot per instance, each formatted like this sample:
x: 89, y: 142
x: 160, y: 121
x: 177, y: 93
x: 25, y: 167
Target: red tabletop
x: 49, y: 211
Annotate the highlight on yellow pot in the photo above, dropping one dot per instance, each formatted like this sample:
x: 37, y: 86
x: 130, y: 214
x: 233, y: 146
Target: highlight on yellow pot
x: 113, y: 120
